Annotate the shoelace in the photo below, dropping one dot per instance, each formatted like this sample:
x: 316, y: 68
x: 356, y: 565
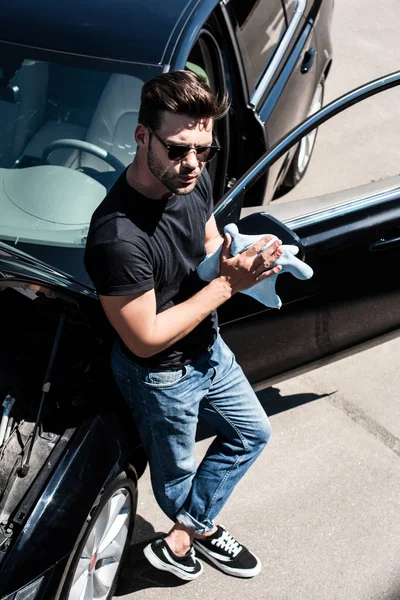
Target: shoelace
x: 228, y: 543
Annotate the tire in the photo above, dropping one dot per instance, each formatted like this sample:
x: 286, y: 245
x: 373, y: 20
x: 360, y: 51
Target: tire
x: 109, y: 529
x: 301, y: 159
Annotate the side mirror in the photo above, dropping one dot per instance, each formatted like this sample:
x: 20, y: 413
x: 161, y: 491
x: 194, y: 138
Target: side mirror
x: 261, y: 223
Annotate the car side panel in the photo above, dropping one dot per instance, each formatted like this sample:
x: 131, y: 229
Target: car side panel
x: 321, y: 14
x: 126, y: 31
x: 288, y: 101
x: 353, y: 297
x: 259, y: 26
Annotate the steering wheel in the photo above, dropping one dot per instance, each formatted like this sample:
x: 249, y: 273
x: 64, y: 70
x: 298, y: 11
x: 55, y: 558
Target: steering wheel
x: 112, y: 160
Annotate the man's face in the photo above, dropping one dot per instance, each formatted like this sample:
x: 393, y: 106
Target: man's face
x: 178, y: 176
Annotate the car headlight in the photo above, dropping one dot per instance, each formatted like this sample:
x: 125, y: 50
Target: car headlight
x: 28, y: 592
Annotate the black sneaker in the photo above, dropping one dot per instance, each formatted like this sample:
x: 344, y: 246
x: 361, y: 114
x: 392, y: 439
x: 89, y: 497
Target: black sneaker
x: 227, y: 554
x: 160, y: 555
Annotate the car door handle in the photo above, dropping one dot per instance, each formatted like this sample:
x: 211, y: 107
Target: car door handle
x: 385, y: 244
x: 308, y: 60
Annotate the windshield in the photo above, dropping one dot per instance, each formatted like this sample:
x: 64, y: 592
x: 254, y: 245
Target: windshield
x: 66, y: 133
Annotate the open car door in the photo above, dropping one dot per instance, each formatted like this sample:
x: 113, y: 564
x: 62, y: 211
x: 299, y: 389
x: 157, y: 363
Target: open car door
x: 351, y: 239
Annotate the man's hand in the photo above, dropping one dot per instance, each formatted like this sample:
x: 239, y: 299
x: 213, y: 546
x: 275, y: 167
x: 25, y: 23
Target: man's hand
x: 251, y: 266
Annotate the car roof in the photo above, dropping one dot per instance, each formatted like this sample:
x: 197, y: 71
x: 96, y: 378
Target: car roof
x: 143, y: 31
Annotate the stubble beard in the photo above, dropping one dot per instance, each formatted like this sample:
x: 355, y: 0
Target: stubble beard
x: 170, y: 180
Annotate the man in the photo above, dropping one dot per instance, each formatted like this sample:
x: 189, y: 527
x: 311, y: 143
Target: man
x: 145, y: 242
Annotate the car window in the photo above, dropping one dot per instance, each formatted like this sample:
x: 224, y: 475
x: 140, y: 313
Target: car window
x: 204, y: 59
x: 47, y: 197
x: 58, y: 101
x: 260, y: 24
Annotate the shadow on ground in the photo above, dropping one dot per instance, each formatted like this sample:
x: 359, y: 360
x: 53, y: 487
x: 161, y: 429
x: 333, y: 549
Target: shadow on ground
x: 273, y: 403
x: 137, y: 573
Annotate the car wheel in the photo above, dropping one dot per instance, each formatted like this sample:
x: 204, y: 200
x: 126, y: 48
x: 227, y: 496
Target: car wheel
x: 94, y: 570
x: 302, y: 156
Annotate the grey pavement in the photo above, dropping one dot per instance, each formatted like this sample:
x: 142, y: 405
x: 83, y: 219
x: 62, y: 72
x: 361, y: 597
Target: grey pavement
x: 321, y: 505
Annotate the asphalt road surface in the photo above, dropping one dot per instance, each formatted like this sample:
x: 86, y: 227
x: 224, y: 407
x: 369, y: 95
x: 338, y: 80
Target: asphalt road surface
x: 321, y: 505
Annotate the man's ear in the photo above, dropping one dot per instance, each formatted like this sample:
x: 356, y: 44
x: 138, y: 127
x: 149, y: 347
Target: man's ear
x: 141, y: 135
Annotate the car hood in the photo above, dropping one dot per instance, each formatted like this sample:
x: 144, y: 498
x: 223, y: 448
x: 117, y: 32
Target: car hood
x: 134, y: 31
x: 16, y: 264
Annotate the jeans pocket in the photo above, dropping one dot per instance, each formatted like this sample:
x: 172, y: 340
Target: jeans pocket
x: 164, y: 379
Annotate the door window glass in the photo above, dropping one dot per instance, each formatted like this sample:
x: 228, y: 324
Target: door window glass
x: 261, y: 24
x: 204, y: 59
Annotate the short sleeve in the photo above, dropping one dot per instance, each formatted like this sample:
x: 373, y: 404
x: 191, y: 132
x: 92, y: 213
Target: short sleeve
x: 119, y: 268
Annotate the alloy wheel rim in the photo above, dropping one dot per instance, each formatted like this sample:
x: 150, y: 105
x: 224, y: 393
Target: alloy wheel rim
x: 101, y: 556
x: 308, y: 141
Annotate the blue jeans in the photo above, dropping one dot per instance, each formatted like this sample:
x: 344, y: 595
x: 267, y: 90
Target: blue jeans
x: 166, y: 406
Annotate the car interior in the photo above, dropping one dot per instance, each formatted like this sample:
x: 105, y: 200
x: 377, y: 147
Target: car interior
x: 76, y: 108
x: 62, y: 117
x: 58, y: 102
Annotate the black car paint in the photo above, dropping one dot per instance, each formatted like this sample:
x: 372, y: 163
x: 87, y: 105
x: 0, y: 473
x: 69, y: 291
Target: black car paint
x: 103, y: 29
x: 330, y: 313
x: 326, y: 315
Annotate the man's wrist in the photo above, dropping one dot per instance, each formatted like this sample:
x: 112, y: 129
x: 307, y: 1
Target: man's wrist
x: 222, y: 285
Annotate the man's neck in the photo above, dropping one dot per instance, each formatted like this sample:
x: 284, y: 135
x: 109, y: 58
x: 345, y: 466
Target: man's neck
x: 147, y: 186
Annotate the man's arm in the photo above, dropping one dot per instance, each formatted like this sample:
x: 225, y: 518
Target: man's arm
x: 213, y: 237
x: 146, y: 333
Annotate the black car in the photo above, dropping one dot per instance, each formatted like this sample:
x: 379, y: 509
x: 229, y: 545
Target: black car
x: 69, y: 455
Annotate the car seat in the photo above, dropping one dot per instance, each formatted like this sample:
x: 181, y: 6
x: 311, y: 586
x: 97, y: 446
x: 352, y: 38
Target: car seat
x: 111, y: 128
x: 114, y: 122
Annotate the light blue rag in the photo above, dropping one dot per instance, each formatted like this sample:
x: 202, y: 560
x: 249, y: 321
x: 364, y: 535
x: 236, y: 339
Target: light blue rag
x: 263, y: 291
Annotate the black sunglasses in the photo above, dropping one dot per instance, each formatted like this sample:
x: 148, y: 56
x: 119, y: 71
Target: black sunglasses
x: 178, y: 152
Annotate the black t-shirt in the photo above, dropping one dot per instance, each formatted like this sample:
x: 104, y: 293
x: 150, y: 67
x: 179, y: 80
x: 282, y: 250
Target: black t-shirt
x: 137, y: 244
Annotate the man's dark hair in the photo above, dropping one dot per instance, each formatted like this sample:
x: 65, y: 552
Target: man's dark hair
x: 179, y: 92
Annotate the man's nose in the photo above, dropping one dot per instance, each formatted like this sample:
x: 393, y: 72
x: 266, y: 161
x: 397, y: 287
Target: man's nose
x: 191, y: 159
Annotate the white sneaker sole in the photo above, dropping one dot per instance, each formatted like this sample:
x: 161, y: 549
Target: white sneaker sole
x: 245, y: 573
x: 162, y: 566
